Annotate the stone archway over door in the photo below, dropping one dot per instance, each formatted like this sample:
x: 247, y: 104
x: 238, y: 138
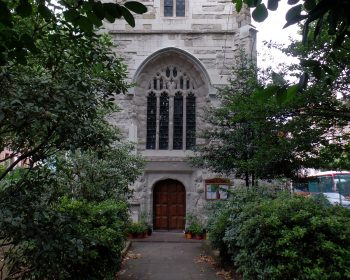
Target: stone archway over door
x: 169, y: 205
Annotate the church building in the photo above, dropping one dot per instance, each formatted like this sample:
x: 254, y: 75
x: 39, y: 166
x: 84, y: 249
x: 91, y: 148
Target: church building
x: 178, y: 54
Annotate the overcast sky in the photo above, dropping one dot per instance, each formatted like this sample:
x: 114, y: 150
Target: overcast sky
x: 272, y: 30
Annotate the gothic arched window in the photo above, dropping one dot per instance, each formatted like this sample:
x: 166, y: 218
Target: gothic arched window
x: 171, y: 111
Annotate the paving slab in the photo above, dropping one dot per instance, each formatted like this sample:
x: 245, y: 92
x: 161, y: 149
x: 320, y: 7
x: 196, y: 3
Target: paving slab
x: 162, y: 260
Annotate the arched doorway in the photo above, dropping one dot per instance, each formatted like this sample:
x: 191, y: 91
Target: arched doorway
x: 169, y: 205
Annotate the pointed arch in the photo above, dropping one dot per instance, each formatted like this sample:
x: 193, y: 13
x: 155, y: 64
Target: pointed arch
x: 179, y: 54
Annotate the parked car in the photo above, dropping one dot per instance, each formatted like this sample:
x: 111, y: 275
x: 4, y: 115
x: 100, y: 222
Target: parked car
x: 336, y: 198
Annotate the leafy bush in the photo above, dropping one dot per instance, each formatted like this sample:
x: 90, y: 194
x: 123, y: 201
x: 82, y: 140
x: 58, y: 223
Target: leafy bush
x: 221, y: 214
x: 194, y: 225
x: 59, y: 236
x: 60, y: 225
x: 138, y: 228
x: 283, y: 237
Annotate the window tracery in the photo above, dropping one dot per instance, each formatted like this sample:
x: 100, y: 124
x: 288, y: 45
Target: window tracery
x: 171, y: 110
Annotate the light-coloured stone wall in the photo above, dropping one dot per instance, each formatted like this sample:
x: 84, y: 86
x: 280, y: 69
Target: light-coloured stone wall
x: 203, y: 43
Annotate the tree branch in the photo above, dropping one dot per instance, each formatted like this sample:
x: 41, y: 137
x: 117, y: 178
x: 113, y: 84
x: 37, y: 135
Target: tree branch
x: 24, y: 156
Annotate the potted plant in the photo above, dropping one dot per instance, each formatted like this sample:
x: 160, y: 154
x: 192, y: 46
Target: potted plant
x: 138, y: 230
x: 144, y: 219
x: 149, y: 229
x: 188, y: 234
x: 195, y: 227
x: 196, y: 230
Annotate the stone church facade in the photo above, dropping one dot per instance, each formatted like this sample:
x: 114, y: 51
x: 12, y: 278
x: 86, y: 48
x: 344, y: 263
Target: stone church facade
x: 177, y: 55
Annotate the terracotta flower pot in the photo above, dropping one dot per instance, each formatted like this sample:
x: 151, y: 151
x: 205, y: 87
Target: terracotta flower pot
x: 188, y: 235
x: 198, y: 237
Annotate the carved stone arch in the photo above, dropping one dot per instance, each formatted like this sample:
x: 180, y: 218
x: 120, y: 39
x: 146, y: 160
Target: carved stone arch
x: 166, y: 56
x: 170, y: 71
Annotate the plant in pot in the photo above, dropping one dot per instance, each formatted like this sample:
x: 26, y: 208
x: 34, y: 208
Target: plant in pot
x: 194, y: 227
x: 196, y: 230
x: 149, y: 229
x: 188, y: 234
x: 138, y: 230
x: 144, y: 219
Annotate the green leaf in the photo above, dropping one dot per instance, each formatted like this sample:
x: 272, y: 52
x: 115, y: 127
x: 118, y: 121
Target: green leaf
x: 136, y: 7
x: 44, y: 12
x: 309, y: 63
x: 128, y: 17
x: 97, y: 8
x: 278, y: 79
x: 263, y: 94
x: 2, y: 59
x: 291, y: 93
x: 71, y: 16
x: 252, y: 3
x: 24, y: 8
x: 5, y: 14
x: 294, y: 15
x: 94, y: 19
x: 85, y: 24
x: 327, y: 69
x: 239, y: 4
x: 318, y: 28
x: 260, y: 13
x: 113, y: 10
x: 332, y: 20
x: 2, y: 115
x: 309, y: 5
x: 28, y: 42
x: 272, y: 5
x: 317, y: 71
x: 281, y: 95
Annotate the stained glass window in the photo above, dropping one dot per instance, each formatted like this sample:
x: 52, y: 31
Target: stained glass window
x: 190, y: 121
x: 168, y: 8
x: 151, y: 121
x: 178, y: 121
x: 180, y: 8
x: 164, y: 121
x: 167, y: 91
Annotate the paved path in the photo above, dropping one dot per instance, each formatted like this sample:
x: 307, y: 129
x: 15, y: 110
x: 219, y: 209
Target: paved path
x: 159, y: 259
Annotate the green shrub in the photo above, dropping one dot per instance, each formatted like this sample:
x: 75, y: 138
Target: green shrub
x: 284, y: 237
x: 61, y: 224
x: 194, y: 225
x: 61, y: 237
x: 222, y: 213
x: 137, y: 228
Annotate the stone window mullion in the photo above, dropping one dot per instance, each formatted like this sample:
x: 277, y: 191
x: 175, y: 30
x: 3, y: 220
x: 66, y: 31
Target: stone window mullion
x: 184, y: 123
x: 171, y: 121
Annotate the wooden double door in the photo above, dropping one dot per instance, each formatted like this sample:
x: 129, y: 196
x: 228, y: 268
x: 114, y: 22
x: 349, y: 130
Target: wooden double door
x: 169, y: 205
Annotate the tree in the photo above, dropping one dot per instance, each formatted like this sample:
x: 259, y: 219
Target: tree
x: 329, y: 16
x: 68, y: 218
x: 68, y: 210
x: 82, y: 15
x: 58, y: 99
x: 266, y: 138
